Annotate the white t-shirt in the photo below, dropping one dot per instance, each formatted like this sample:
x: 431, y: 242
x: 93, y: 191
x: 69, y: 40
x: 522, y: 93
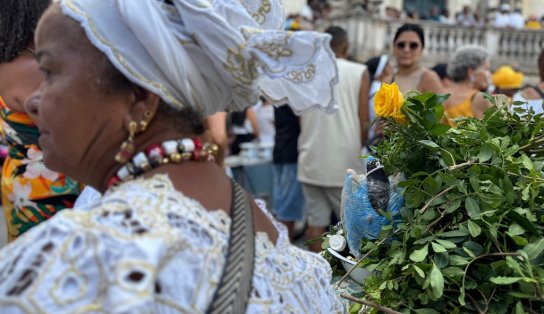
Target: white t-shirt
x: 536, y: 104
x: 331, y: 144
x: 374, y: 87
x: 517, y: 21
x: 503, y: 20
x: 265, y: 122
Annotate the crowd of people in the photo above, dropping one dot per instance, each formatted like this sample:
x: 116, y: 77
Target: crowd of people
x: 129, y: 99
x: 324, y: 148
x: 502, y: 17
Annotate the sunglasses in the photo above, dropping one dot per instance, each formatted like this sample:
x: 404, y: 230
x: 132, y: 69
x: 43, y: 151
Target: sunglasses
x: 402, y: 44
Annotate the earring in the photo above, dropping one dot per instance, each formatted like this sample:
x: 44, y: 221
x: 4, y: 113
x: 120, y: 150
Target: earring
x: 148, y: 114
x: 127, y: 148
x: 143, y: 126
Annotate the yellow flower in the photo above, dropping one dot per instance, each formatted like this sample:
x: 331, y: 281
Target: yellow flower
x: 388, y: 102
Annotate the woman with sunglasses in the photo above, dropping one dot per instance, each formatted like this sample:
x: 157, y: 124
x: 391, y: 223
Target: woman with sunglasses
x: 408, y: 45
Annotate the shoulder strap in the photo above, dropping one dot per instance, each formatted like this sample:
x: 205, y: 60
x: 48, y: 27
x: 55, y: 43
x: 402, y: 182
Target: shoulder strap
x: 474, y: 93
x: 538, y: 90
x: 232, y: 294
x: 423, y: 71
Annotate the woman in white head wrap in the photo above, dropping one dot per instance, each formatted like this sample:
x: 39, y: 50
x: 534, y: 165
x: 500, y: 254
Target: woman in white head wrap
x: 130, y: 80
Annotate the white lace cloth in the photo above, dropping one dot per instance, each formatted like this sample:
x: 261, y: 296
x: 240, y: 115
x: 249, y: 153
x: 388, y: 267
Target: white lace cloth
x: 146, y: 248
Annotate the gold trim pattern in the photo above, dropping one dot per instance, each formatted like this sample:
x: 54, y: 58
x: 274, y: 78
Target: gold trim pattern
x: 89, y: 26
x: 302, y: 76
x: 261, y: 14
x: 242, y: 70
x: 275, y: 50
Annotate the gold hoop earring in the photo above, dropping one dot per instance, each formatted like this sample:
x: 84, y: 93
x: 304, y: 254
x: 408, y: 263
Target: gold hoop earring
x: 127, y: 148
x: 143, y: 126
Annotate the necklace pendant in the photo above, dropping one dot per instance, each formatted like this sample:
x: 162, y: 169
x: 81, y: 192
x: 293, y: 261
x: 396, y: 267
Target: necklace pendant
x: 176, y: 158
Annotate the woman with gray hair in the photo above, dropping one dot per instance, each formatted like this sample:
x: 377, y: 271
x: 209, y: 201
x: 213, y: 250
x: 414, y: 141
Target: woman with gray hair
x: 126, y: 84
x: 469, y: 71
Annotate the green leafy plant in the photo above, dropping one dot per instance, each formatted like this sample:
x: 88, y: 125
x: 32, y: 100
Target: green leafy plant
x: 472, y: 237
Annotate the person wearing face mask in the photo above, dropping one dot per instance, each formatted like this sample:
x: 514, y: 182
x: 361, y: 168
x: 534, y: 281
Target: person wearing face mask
x: 469, y: 72
x: 408, y: 45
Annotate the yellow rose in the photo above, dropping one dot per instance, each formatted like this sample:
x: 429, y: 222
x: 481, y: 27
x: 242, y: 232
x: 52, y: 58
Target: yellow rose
x: 388, y: 101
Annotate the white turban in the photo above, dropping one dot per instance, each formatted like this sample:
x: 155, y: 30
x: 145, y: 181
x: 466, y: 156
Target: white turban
x: 212, y: 55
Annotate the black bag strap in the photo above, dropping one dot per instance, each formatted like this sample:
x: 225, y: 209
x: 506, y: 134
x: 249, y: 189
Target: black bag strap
x: 539, y: 91
x: 233, y: 291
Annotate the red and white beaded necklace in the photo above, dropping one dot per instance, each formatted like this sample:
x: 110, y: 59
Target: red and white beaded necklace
x: 155, y: 155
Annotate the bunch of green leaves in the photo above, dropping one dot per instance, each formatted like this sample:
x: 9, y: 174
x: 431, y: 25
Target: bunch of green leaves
x: 472, y: 237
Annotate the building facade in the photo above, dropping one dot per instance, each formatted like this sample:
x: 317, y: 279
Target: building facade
x: 528, y: 7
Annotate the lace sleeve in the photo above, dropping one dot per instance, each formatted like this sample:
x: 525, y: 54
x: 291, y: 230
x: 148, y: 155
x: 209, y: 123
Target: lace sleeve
x: 60, y: 267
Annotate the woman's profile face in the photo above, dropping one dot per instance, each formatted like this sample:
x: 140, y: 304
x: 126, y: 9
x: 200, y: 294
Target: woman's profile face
x: 481, y: 76
x: 407, y: 49
x: 78, y: 122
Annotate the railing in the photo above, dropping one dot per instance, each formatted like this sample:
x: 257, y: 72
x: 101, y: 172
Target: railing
x: 372, y: 37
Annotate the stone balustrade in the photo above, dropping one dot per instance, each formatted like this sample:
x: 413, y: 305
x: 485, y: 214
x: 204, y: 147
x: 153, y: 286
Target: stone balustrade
x: 372, y: 37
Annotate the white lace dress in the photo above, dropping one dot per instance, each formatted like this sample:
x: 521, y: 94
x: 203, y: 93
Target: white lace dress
x: 146, y: 248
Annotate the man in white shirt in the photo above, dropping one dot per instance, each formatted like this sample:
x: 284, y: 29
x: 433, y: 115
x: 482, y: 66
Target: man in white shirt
x: 517, y: 20
x: 465, y: 18
x: 331, y: 144
x: 503, y: 18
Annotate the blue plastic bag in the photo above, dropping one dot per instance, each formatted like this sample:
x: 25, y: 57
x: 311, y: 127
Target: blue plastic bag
x: 360, y: 219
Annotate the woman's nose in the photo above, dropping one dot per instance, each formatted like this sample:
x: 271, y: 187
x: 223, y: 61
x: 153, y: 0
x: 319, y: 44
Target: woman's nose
x: 32, y: 105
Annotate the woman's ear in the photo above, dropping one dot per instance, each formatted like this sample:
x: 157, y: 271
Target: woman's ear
x: 143, y: 107
x: 470, y: 74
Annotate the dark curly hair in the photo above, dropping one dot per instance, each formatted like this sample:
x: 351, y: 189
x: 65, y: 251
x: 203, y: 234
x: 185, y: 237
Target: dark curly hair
x: 408, y: 27
x: 18, y: 20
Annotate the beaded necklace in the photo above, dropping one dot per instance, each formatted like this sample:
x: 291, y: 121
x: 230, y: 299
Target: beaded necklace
x: 155, y: 155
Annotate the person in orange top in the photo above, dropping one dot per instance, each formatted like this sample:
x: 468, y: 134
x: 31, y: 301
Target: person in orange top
x: 31, y: 193
x: 469, y: 72
x: 533, y: 23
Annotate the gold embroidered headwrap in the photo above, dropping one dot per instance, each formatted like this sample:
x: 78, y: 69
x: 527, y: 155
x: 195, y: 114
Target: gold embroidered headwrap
x: 212, y: 55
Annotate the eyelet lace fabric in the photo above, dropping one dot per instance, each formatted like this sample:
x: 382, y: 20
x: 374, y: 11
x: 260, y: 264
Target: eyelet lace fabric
x: 146, y: 248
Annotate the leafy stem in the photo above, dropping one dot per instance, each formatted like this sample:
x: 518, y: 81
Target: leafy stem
x: 365, y: 256
x: 424, y: 208
x: 465, y: 164
x: 367, y: 303
x: 483, y: 256
x: 480, y: 311
x: 538, y: 140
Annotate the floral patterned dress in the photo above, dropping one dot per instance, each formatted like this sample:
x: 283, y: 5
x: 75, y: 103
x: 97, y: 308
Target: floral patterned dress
x: 31, y: 193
